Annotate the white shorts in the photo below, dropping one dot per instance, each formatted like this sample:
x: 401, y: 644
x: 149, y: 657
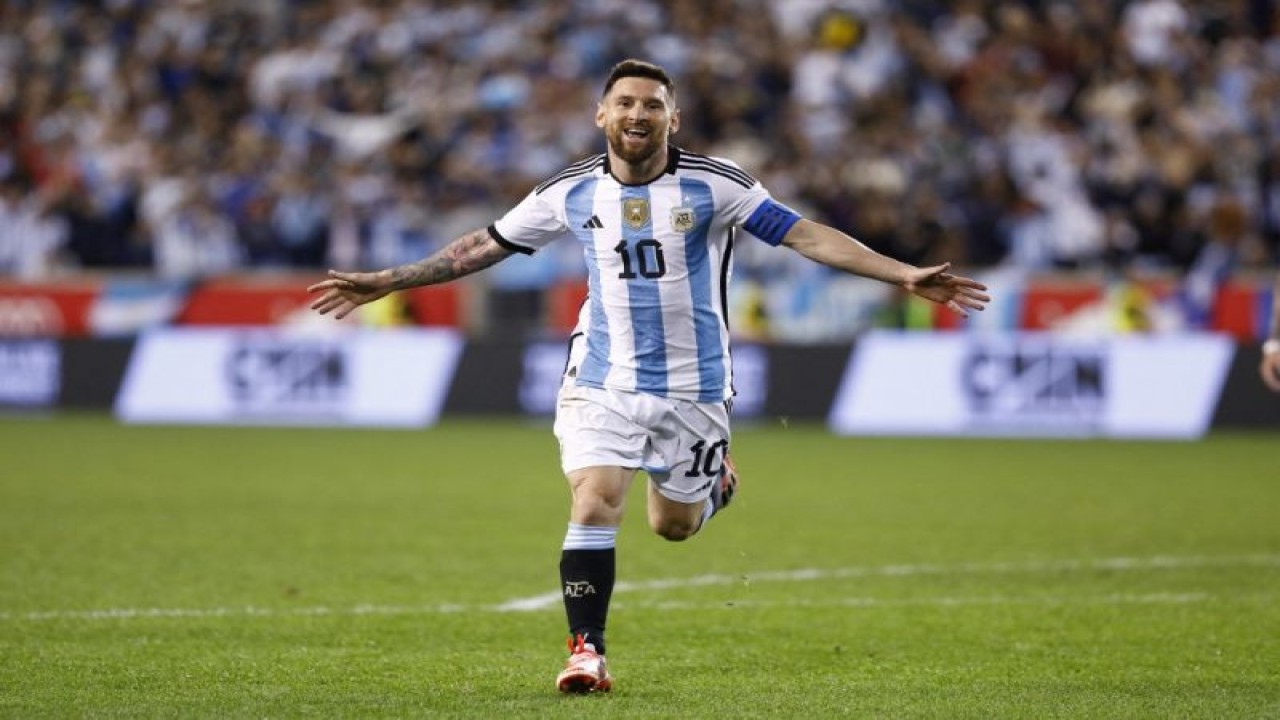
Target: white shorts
x: 681, y: 444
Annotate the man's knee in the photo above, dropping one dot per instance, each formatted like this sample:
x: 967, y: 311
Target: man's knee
x: 598, y: 495
x: 592, y: 509
x: 674, y: 530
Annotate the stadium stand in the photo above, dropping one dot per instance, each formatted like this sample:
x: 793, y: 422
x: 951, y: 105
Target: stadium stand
x: 195, y: 138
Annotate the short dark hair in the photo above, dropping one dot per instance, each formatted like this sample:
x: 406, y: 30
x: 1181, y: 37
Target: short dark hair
x: 639, y: 68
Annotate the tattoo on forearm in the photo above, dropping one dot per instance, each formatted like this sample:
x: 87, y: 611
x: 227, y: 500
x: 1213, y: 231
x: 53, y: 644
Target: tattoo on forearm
x: 470, y: 253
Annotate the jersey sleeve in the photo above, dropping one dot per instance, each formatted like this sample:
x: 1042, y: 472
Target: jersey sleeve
x: 529, y: 226
x: 755, y: 211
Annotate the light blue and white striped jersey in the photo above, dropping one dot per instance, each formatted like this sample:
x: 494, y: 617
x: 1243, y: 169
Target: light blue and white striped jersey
x: 659, y: 263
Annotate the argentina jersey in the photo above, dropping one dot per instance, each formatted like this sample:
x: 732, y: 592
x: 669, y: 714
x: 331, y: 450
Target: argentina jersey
x: 658, y: 260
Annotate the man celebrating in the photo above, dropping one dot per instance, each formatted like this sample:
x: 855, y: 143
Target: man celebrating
x: 648, y: 380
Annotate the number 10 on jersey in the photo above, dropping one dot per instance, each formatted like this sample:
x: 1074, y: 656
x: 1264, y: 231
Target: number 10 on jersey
x: 643, y: 259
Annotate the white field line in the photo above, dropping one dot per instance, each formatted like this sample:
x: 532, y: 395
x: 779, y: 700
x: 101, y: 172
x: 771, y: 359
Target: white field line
x: 546, y: 601
x: 393, y: 610
x: 958, y: 601
x: 1159, y: 562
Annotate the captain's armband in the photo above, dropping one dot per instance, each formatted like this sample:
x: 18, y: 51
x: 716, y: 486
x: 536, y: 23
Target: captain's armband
x: 771, y: 221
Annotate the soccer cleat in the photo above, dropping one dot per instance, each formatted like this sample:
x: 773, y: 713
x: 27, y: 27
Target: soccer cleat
x: 722, y: 492
x: 585, y: 671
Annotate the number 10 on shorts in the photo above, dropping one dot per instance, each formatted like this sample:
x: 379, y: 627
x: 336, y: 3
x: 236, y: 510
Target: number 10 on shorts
x: 707, y: 460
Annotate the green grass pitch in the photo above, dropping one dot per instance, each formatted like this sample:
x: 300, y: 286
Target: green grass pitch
x: 204, y: 572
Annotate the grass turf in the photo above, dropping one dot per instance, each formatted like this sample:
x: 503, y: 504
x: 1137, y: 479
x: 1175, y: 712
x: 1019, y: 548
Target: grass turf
x: 207, y: 572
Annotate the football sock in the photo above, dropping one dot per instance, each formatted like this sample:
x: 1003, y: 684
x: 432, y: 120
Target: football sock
x: 587, y: 570
x: 707, y: 511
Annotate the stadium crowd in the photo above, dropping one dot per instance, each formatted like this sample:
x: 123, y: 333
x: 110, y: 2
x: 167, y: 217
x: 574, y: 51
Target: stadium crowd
x: 194, y: 137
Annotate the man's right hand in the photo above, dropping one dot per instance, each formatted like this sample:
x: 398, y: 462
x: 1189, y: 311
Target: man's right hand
x: 1270, y: 368
x: 345, y: 291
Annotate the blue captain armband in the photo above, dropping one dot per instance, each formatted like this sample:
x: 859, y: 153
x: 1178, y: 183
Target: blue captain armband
x: 771, y: 221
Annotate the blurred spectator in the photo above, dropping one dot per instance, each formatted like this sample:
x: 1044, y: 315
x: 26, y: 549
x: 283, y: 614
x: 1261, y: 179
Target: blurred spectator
x: 300, y: 220
x: 192, y: 239
x: 30, y: 237
x: 1225, y: 234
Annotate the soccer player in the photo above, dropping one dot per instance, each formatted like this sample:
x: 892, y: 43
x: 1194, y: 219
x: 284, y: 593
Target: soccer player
x: 647, y: 384
x: 1270, y: 368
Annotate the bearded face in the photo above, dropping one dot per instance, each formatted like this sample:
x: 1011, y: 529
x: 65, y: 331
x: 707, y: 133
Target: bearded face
x: 634, y: 142
x: 637, y: 117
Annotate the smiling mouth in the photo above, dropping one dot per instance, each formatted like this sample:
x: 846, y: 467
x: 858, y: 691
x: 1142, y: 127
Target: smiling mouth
x: 636, y: 133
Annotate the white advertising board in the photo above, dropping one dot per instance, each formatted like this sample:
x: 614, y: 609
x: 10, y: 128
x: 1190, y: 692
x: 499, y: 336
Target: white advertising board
x: 30, y: 372
x: 1032, y: 384
x: 393, y: 378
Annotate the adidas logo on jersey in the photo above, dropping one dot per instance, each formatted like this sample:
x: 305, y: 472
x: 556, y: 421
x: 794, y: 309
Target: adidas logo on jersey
x: 593, y: 224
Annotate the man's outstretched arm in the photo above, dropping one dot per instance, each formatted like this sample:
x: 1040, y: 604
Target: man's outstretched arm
x: 833, y: 248
x: 345, y: 291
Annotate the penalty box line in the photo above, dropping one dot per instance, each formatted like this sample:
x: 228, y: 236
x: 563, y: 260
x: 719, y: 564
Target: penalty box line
x: 550, y: 600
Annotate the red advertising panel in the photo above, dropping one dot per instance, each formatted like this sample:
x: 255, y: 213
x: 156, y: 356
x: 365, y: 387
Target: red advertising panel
x: 1046, y: 304
x: 564, y: 300
x: 53, y: 309
x: 282, y: 300
x: 245, y: 301
x: 1235, y: 311
x: 437, y: 305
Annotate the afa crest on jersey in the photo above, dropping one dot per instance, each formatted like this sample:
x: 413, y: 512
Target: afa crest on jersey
x: 683, y: 219
x: 636, y: 212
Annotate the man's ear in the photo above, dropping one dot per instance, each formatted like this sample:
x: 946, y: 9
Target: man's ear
x: 600, y: 114
x: 674, y: 125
